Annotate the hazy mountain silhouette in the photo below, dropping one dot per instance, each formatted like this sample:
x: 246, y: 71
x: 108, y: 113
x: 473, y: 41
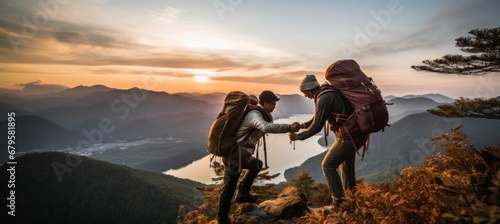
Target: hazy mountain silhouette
x: 7, y: 108
x: 402, y: 107
x: 439, y: 98
x: 135, y: 115
x: 35, y: 133
x: 212, y: 98
x: 58, y: 99
x: 406, y: 143
x: 12, y: 99
x: 433, y: 96
x: 121, y: 105
x: 389, y: 97
x: 293, y: 104
x: 81, y: 91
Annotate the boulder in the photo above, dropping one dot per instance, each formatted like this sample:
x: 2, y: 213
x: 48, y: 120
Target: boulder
x: 290, y: 203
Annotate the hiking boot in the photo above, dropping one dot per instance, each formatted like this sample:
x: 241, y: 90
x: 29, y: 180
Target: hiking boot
x: 329, y: 209
x: 335, y: 207
x: 227, y: 221
x: 332, y: 207
x: 246, y: 198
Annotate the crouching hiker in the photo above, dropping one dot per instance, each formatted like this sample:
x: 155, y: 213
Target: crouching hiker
x: 255, y: 124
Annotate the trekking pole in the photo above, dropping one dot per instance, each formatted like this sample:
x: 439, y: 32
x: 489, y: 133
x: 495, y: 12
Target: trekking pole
x: 326, y: 132
x: 265, y: 150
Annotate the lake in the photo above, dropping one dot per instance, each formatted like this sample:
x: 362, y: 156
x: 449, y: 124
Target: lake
x: 280, y: 155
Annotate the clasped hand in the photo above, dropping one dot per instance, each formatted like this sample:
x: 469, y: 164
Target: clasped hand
x: 293, y: 136
x: 295, y: 127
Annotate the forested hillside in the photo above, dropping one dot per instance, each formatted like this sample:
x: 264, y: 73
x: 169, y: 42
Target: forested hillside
x: 54, y: 187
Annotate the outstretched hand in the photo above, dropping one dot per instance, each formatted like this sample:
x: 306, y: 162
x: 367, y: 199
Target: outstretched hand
x: 295, y: 126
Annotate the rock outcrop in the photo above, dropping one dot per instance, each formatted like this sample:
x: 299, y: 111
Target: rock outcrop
x: 291, y: 203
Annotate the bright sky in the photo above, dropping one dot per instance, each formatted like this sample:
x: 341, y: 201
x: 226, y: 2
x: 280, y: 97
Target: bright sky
x: 224, y: 45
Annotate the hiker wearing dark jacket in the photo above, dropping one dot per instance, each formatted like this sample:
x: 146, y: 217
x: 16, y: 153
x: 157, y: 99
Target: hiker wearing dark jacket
x: 256, y: 123
x: 342, y: 153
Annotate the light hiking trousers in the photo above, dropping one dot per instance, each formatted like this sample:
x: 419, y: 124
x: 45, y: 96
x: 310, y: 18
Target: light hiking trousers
x: 341, y: 155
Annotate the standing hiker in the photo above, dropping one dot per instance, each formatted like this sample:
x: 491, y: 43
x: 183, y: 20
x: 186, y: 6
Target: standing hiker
x: 255, y: 124
x: 342, y: 153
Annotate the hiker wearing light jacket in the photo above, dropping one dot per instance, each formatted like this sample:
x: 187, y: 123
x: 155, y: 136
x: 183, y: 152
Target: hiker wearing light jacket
x: 342, y: 153
x: 256, y: 123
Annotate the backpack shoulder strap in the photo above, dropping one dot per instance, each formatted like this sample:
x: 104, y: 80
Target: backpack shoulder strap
x: 325, y: 88
x: 264, y: 113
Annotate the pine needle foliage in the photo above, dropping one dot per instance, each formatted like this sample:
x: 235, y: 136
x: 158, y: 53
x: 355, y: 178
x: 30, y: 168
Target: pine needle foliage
x: 466, y: 107
x: 483, y: 48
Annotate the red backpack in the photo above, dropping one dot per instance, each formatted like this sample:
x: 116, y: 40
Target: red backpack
x: 370, y: 111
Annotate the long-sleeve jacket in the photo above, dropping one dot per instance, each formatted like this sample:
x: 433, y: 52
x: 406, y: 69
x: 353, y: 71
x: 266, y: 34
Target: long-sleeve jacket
x: 255, y: 124
x: 325, y: 105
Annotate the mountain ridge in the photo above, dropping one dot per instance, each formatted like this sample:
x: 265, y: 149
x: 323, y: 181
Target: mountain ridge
x: 440, y: 98
x: 35, y: 133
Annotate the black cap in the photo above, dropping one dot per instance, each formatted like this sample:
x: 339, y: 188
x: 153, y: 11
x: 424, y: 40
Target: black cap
x: 267, y: 96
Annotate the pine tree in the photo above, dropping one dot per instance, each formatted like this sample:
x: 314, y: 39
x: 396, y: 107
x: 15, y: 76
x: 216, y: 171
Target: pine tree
x: 304, y: 183
x: 484, y: 47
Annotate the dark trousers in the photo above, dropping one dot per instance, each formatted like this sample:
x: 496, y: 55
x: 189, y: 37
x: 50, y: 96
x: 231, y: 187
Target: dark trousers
x: 342, y: 155
x: 231, y: 176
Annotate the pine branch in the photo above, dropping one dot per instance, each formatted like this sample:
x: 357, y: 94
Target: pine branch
x: 485, y: 47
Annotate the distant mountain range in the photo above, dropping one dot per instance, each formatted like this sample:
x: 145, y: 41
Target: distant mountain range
x: 49, y: 189
x: 36, y: 133
x: 67, y: 119
x: 150, y: 130
x: 401, y: 107
x: 439, y: 98
x: 406, y: 142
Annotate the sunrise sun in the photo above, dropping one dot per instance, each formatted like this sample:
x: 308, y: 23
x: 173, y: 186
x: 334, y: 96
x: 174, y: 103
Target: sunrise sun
x: 201, y: 78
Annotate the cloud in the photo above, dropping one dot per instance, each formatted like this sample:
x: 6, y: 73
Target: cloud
x: 33, y: 88
x: 91, y: 35
x: 443, y: 27
x: 37, y: 87
x: 168, y: 14
x: 285, y: 78
x: 141, y: 71
x: 100, y: 49
x: 83, y: 44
